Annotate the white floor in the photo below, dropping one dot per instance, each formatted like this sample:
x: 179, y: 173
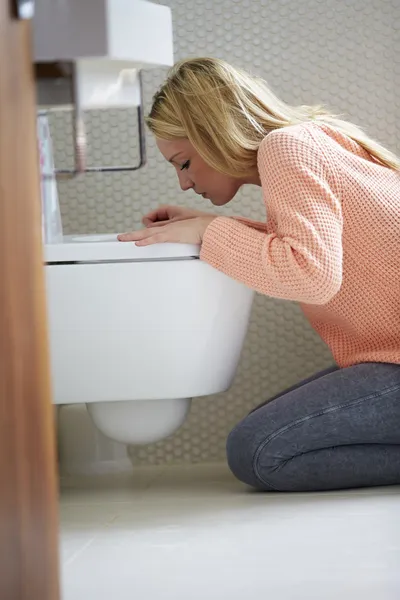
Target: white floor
x: 194, y: 533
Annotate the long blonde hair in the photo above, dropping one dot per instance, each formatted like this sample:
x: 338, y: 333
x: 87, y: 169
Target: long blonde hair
x: 225, y: 113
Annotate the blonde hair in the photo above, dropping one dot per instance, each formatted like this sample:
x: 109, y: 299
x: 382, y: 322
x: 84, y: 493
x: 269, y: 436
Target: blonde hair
x: 225, y: 113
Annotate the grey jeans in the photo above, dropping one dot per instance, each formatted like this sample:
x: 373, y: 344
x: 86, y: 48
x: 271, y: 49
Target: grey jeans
x: 339, y: 429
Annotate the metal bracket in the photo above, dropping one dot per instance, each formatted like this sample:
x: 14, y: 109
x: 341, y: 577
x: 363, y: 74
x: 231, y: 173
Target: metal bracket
x: 80, y: 138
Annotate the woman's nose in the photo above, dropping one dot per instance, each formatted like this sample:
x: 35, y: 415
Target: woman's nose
x: 185, y: 183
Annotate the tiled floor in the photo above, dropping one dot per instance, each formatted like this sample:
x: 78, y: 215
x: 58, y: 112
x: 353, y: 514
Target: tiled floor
x: 194, y: 533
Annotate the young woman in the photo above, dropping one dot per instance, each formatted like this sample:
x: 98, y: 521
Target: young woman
x: 331, y: 241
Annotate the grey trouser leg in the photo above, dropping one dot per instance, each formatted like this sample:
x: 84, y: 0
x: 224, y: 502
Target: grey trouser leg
x: 339, y: 429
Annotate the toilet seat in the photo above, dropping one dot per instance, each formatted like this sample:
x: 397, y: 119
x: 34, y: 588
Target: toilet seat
x: 87, y: 249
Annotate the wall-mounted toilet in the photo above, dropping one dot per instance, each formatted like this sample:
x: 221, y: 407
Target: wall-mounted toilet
x: 137, y: 332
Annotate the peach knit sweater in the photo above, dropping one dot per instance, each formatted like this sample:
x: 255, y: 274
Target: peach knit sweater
x: 331, y: 240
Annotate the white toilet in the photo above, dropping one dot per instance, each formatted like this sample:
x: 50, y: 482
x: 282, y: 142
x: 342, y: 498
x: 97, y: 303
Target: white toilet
x: 136, y: 333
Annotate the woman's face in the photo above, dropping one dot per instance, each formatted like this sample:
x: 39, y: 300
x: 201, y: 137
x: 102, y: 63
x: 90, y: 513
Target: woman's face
x: 193, y: 173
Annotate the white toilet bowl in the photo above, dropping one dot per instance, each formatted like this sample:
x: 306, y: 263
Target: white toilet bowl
x: 135, y: 333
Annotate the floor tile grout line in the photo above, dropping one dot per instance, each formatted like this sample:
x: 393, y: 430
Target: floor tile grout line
x: 87, y: 545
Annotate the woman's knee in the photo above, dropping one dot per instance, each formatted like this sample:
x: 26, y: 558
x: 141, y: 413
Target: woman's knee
x: 258, y: 454
x: 242, y: 448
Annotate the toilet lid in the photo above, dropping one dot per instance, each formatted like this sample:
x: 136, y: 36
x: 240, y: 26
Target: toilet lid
x: 107, y: 248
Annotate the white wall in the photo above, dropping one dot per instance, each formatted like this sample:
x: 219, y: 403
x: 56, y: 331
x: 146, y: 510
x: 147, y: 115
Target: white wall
x: 344, y: 53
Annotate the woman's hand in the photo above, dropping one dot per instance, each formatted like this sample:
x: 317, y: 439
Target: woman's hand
x: 189, y: 230
x: 168, y: 214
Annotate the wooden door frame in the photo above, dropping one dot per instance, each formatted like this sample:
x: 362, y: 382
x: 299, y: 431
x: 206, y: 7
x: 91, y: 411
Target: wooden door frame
x: 29, y: 562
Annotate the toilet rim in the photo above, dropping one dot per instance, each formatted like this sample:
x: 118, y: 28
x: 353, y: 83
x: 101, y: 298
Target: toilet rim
x: 105, y: 248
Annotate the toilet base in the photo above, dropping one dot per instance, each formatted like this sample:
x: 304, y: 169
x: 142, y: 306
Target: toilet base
x: 83, y: 449
x: 139, y: 422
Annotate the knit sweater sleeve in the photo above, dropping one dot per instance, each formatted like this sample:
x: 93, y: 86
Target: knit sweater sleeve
x: 253, y: 224
x: 301, y: 258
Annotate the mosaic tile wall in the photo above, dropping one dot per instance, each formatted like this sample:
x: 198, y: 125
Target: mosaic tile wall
x: 343, y: 53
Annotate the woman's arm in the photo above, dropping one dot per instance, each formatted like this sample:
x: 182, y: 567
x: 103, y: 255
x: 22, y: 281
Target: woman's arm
x: 258, y: 225
x: 301, y: 259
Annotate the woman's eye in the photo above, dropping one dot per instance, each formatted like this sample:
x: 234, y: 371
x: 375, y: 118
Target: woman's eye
x: 185, y: 165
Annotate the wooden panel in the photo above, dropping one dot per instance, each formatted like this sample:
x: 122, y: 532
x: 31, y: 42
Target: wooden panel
x: 28, y: 483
